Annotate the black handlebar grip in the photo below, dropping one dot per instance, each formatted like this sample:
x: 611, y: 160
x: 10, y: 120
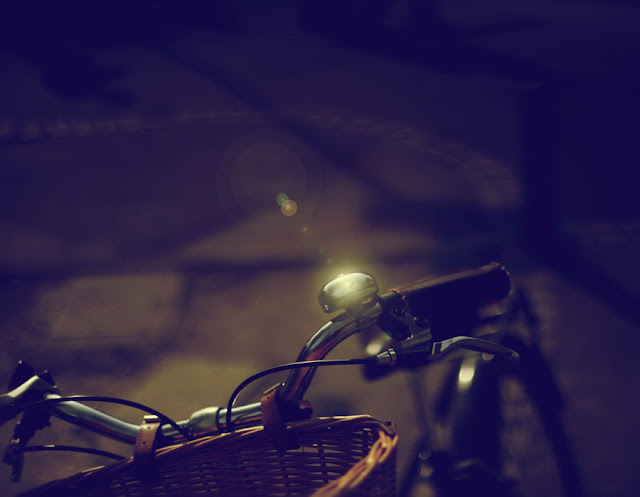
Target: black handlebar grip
x: 450, y: 302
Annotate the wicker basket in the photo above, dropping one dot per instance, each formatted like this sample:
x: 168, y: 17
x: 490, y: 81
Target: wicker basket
x: 338, y: 456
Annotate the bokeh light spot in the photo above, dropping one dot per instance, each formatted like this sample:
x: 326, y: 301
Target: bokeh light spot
x: 289, y: 207
x: 281, y: 198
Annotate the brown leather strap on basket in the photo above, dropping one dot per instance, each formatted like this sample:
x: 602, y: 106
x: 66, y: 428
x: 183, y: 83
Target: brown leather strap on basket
x: 143, y: 450
x: 273, y: 423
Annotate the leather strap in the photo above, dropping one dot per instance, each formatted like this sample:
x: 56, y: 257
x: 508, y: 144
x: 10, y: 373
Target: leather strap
x: 143, y: 450
x: 273, y: 423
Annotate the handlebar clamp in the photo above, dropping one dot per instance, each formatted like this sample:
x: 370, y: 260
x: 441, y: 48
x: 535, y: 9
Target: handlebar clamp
x: 396, y: 320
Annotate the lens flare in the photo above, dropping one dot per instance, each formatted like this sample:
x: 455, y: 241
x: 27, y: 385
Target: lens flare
x: 281, y: 198
x: 289, y: 207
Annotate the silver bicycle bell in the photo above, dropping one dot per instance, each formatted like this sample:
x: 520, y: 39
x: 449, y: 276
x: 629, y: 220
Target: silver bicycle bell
x: 348, y: 291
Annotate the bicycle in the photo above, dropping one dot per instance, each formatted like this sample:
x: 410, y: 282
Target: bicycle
x: 280, y: 427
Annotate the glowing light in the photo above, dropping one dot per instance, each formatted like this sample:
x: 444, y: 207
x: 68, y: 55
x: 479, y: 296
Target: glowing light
x: 289, y: 207
x: 374, y: 348
x: 467, y: 371
x: 305, y: 228
x: 281, y: 198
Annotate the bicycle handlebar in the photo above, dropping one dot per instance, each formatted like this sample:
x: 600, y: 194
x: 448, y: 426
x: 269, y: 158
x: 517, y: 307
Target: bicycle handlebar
x: 481, y: 285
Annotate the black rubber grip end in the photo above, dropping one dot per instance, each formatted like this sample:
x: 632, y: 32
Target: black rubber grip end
x: 450, y: 302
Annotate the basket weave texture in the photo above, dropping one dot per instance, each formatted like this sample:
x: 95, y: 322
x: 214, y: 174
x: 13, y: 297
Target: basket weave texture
x: 338, y: 456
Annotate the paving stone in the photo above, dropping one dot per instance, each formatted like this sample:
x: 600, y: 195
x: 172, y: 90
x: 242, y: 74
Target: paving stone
x: 98, y: 322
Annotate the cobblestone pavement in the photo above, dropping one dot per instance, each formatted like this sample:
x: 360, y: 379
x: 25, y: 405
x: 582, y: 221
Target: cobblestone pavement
x: 145, y: 255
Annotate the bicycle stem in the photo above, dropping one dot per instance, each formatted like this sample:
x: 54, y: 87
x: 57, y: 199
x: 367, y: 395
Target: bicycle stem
x: 320, y: 344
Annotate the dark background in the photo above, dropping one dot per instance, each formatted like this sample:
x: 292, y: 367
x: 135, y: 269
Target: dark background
x: 142, y: 148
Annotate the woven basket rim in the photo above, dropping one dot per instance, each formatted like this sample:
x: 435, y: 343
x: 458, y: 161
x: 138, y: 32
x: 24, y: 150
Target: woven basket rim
x: 311, y: 428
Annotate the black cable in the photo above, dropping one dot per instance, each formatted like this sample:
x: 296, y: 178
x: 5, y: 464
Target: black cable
x: 71, y: 448
x: 284, y: 367
x: 113, y: 400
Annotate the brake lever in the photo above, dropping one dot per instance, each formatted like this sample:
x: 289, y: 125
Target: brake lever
x: 410, y: 354
x: 445, y: 347
x: 24, y: 390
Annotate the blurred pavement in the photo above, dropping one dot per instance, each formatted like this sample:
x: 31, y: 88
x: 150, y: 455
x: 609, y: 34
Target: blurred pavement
x: 144, y: 254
